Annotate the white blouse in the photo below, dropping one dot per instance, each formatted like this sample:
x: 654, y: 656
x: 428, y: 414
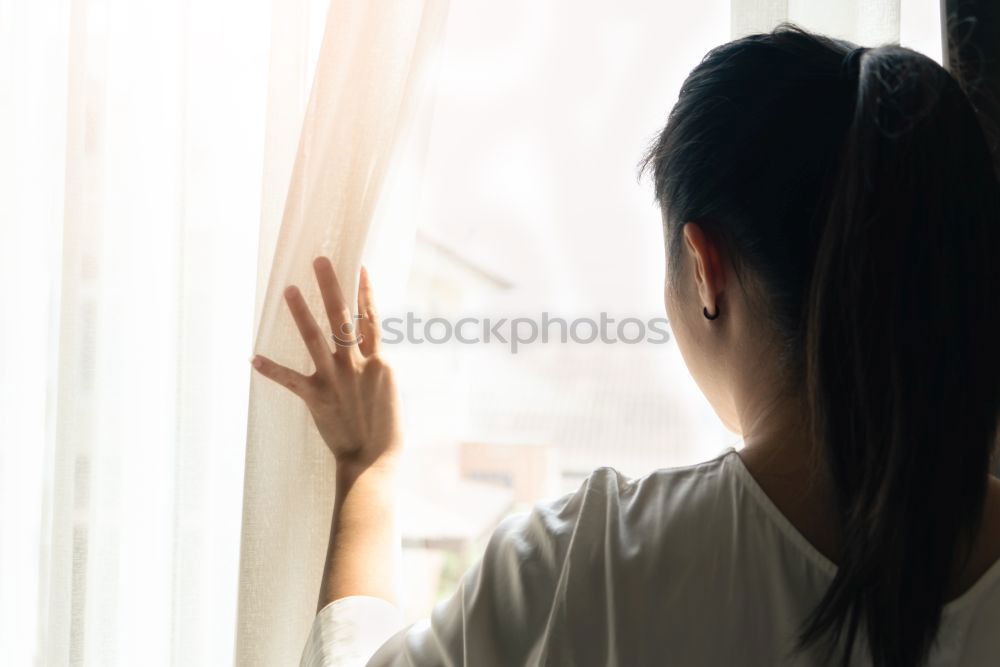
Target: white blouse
x: 683, y: 566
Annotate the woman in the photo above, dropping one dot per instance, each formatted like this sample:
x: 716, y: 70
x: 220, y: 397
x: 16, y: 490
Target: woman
x: 831, y: 216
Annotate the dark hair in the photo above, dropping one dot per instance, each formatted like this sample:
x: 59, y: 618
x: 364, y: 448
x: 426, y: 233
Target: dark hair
x: 857, y: 187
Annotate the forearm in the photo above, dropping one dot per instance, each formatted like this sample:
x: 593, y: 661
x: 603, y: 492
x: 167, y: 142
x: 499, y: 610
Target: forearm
x: 354, y: 401
x: 362, y: 556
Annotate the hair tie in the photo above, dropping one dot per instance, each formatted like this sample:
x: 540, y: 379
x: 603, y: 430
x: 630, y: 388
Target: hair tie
x: 851, y: 66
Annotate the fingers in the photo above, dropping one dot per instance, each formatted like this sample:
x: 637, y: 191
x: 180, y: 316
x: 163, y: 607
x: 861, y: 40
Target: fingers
x: 295, y: 382
x: 341, y: 322
x: 312, y: 335
x: 368, y: 325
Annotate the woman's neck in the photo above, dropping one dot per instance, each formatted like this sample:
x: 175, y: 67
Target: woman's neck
x: 782, y: 457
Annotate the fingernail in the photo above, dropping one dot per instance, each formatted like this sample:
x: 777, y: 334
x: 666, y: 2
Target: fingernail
x: 255, y: 360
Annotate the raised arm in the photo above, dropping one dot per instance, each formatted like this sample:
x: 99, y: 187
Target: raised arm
x: 354, y: 401
x: 512, y: 606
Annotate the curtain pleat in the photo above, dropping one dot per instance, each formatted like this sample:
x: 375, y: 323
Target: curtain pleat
x: 868, y: 22
x: 366, y: 95
x: 913, y: 23
x: 130, y: 181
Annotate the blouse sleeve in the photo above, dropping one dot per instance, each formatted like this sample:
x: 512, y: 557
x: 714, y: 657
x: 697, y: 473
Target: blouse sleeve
x: 347, y: 631
x: 500, y: 615
x: 504, y: 610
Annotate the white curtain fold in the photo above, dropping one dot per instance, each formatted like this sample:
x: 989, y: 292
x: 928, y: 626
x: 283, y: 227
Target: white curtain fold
x: 132, y: 134
x: 869, y: 22
x: 912, y: 23
x: 148, y: 150
x: 368, y: 93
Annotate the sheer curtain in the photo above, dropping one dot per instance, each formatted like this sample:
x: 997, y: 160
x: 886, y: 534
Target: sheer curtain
x: 133, y: 140
x: 365, y: 100
x: 912, y: 23
x: 148, y: 152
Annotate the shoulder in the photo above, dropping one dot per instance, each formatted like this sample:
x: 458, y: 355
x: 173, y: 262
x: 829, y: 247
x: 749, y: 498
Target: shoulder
x: 663, y: 495
x: 616, y: 551
x: 611, y: 481
x: 610, y: 508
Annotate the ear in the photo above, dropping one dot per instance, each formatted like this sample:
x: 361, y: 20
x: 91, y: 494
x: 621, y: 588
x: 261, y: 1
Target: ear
x: 706, y: 258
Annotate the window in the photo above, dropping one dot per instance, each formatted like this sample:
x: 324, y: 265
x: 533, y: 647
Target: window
x: 530, y: 209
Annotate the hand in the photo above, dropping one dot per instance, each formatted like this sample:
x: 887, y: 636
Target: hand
x: 352, y: 395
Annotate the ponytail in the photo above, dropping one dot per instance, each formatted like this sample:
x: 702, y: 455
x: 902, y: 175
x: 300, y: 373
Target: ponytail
x: 858, y: 188
x: 903, y: 353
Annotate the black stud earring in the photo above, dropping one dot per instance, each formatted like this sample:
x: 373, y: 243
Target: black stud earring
x: 711, y: 317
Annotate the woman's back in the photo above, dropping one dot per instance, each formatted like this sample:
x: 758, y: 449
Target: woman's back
x: 685, y: 566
